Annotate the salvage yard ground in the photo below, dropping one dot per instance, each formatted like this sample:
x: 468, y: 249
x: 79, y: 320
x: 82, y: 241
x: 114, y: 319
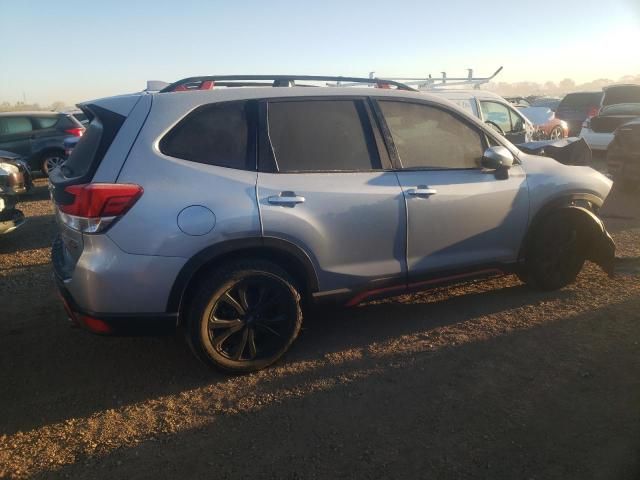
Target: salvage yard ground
x: 485, y: 380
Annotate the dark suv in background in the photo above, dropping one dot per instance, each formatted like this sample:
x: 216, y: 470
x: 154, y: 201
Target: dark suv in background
x: 38, y: 136
x: 576, y: 107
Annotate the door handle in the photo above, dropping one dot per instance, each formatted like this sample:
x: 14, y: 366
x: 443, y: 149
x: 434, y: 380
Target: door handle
x: 422, y: 191
x: 286, y: 199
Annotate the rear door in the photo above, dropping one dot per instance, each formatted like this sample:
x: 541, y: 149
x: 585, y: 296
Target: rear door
x: 326, y: 185
x: 459, y: 215
x: 15, y: 134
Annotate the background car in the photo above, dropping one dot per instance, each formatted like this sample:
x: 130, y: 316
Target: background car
x: 547, y: 126
x: 21, y: 181
x: 549, y: 102
x: 576, y: 107
x: 623, y: 155
x: 80, y: 116
x: 69, y: 144
x: 38, y: 136
x: 493, y: 110
x: 619, y: 105
x: 12, y: 182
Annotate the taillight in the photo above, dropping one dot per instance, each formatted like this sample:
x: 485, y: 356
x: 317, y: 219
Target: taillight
x: 76, y: 132
x: 593, y: 111
x: 97, y: 205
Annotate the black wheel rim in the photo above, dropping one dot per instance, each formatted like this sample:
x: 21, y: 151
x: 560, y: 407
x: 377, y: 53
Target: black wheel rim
x: 253, y: 319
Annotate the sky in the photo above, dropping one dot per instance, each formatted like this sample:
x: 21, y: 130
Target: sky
x: 77, y: 50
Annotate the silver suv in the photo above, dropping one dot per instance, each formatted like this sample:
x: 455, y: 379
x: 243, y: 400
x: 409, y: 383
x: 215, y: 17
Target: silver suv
x: 227, y: 205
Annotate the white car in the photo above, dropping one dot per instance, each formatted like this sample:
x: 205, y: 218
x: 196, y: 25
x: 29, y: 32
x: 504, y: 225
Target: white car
x: 620, y: 104
x: 493, y: 110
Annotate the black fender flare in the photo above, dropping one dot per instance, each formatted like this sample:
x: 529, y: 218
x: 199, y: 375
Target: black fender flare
x: 599, y: 246
x: 251, y: 245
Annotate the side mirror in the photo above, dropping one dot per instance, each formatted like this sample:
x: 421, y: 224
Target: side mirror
x: 499, y: 159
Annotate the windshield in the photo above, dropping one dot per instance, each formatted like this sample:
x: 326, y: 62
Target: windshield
x: 537, y: 115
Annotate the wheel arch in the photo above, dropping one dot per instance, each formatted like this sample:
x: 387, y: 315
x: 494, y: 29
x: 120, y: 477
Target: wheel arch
x: 582, y: 208
x: 281, y: 252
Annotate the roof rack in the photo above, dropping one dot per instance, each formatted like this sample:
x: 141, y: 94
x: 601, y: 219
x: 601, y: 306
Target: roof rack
x: 431, y: 83
x: 208, y: 82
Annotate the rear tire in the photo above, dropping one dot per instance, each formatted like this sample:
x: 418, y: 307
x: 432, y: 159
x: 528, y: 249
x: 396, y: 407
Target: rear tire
x: 244, y: 317
x: 554, y: 255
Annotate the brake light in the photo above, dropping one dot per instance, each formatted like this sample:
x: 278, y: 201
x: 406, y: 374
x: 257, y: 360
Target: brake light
x: 97, y: 205
x: 76, y: 132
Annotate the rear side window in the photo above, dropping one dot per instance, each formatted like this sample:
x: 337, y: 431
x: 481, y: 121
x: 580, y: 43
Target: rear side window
x: 580, y: 100
x: 322, y: 135
x: 44, y: 122
x: 428, y: 137
x: 15, y: 125
x: 216, y: 134
x: 94, y: 143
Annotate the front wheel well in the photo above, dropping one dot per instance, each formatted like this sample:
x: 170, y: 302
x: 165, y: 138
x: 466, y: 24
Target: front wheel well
x: 299, y: 270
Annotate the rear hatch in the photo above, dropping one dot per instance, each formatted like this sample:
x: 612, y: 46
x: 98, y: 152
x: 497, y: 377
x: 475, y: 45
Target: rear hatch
x: 612, y: 116
x: 576, y: 107
x: 98, y: 157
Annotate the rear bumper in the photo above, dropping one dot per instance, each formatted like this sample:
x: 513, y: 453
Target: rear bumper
x: 142, y: 324
x: 109, y: 291
x: 597, y: 141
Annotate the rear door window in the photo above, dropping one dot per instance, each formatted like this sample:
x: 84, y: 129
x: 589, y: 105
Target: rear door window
x: 15, y: 125
x: 322, y: 135
x: 429, y: 137
x: 216, y: 134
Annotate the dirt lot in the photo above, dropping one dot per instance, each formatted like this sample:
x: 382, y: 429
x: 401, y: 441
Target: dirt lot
x: 486, y: 380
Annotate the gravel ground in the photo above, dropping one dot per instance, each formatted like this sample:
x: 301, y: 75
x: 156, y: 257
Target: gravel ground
x: 483, y: 380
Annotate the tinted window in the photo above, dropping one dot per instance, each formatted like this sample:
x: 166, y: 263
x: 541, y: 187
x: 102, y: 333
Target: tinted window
x: 14, y: 125
x: 45, y: 122
x: 216, y: 134
x: 622, y: 94
x: 580, y: 100
x: 428, y: 137
x: 322, y: 135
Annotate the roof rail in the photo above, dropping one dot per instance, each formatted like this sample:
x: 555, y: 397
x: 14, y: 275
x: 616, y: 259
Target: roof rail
x: 208, y: 82
x: 430, y: 83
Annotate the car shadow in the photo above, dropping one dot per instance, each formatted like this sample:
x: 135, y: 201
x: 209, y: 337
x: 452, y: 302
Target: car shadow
x: 45, y: 362
x: 550, y: 401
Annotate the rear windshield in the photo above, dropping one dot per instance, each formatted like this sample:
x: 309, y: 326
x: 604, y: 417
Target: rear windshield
x: 580, y: 100
x: 85, y: 151
x: 538, y: 115
x: 626, y: 94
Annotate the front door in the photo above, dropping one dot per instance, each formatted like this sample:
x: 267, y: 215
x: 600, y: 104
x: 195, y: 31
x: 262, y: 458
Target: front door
x: 323, y: 186
x: 459, y: 215
x: 505, y: 120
